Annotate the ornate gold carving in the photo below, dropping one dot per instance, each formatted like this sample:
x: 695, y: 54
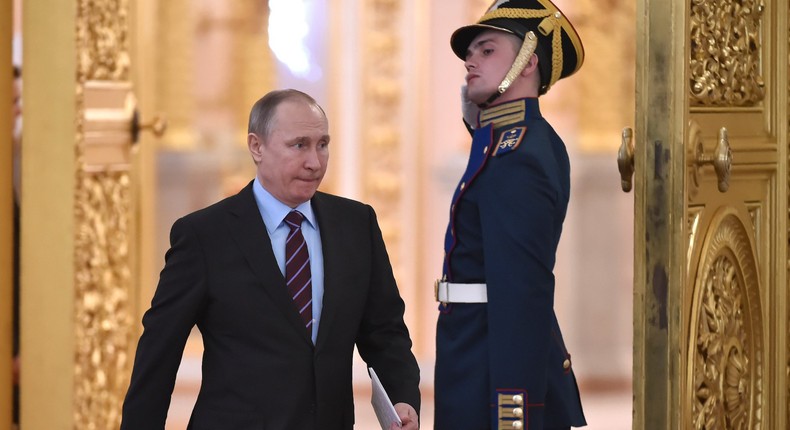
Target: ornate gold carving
x: 381, y: 110
x: 103, y: 326
x: 103, y: 40
x: 726, y: 350
x: 694, y: 140
x: 694, y: 213
x: 755, y: 210
x: 725, y: 63
x: 103, y: 329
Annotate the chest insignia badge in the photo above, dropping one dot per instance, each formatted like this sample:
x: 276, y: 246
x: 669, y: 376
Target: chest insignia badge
x: 509, y: 140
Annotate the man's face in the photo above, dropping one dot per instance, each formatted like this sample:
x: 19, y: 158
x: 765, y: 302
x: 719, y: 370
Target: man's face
x: 292, y: 160
x: 488, y: 59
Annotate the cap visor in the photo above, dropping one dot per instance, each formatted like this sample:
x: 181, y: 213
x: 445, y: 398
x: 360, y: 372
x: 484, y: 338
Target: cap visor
x: 462, y: 37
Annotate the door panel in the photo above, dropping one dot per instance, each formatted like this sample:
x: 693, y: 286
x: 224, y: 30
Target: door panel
x: 711, y: 291
x: 725, y: 362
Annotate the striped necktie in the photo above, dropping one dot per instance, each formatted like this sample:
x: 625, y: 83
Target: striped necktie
x: 297, y: 268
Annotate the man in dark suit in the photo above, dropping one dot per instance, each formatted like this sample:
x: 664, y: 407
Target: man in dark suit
x: 278, y: 336
x: 501, y: 362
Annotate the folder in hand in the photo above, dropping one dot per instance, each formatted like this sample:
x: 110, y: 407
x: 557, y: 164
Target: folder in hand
x: 385, y: 411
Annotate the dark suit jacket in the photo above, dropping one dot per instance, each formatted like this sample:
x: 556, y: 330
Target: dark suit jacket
x: 260, y: 368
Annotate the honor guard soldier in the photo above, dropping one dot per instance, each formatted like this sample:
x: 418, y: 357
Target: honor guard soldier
x: 501, y: 362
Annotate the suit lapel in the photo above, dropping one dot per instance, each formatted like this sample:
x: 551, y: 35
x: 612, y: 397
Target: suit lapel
x: 328, y: 223
x: 249, y: 232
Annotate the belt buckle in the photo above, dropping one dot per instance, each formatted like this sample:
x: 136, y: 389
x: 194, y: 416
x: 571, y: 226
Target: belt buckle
x: 436, y: 291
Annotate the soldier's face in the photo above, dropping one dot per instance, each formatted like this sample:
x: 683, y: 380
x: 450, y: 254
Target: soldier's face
x: 488, y: 60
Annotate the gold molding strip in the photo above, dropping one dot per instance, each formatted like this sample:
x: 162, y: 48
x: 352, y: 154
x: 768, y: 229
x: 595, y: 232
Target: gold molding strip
x: 103, y: 324
x: 381, y: 107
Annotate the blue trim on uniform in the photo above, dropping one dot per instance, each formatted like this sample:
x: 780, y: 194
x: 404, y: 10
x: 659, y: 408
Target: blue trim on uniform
x: 478, y: 156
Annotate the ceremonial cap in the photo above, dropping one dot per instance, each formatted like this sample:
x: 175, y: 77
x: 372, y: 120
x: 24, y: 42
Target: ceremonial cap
x: 559, y: 49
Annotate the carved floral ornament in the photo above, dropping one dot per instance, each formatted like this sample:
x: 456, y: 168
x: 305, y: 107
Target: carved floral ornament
x: 725, y: 42
x: 726, y: 351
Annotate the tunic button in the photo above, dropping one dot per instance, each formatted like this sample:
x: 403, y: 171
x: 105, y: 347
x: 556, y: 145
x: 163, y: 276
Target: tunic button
x: 463, y: 184
x: 566, y: 364
x: 485, y: 150
x: 517, y: 399
x: 517, y: 424
x: 518, y: 412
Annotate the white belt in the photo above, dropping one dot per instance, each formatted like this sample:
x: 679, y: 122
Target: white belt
x: 448, y: 292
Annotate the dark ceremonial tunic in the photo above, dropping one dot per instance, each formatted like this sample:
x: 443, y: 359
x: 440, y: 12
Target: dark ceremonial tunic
x: 505, y: 223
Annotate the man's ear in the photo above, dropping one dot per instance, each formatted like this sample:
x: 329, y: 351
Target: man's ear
x: 254, y: 145
x: 532, y: 65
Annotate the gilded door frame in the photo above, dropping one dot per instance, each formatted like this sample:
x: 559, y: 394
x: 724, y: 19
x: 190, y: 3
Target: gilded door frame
x: 49, y: 130
x: 6, y: 217
x: 79, y: 284
x: 667, y: 246
x: 658, y: 185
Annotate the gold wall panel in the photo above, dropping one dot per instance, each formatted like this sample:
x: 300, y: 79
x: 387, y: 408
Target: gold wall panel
x: 726, y: 53
x: 103, y: 325
x: 175, y: 72
x: 212, y: 63
x: 381, y: 108
x: 250, y: 71
x: 726, y: 350
x: 255, y: 71
x: 606, y: 80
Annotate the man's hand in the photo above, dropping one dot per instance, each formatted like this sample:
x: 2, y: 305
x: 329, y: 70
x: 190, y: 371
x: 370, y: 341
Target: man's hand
x: 408, y: 417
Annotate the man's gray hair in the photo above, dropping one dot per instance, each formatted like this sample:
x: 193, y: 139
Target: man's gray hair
x: 263, y: 111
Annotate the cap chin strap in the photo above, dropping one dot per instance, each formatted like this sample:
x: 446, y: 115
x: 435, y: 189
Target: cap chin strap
x: 521, y: 61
